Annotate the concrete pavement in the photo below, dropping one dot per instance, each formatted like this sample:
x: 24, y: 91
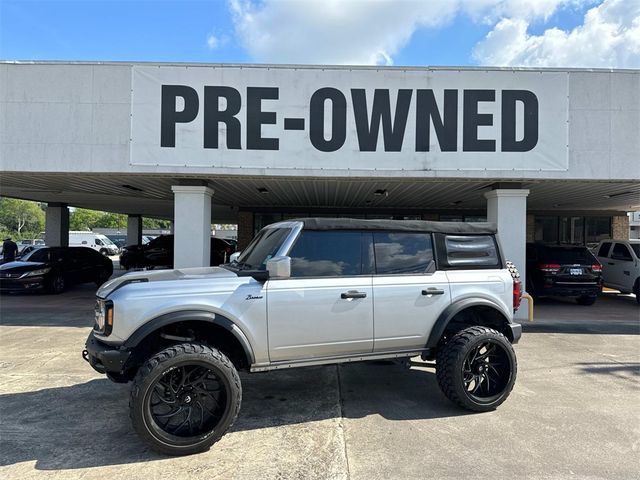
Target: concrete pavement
x: 574, y: 413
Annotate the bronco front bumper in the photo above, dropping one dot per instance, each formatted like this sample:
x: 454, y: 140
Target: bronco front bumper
x: 105, y: 358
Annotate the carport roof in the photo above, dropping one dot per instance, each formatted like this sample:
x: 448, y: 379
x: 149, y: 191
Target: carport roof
x: 151, y: 195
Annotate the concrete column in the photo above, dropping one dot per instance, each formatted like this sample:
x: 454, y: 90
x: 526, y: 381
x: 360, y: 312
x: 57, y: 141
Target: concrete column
x: 245, y: 229
x: 192, y: 226
x: 134, y: 230
x: 507, y: 208
x: 56, y: 226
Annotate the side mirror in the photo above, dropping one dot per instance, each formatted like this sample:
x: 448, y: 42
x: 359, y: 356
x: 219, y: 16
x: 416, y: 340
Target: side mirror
x: 234, y: 256
x: 279, y: 267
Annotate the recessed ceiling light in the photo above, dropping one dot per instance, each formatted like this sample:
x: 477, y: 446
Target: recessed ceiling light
x: 381, y: 192
x: 262, y: 190
x: 621, y: 194
x: 131, y: 187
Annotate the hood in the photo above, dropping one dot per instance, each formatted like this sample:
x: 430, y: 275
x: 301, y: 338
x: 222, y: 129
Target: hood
x: 197, y: 273
x: 19, y: 266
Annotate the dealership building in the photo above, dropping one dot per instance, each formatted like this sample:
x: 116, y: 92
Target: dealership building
x: 550, y: 155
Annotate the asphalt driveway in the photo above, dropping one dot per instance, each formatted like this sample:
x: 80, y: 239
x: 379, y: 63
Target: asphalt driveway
x: 574, y: 413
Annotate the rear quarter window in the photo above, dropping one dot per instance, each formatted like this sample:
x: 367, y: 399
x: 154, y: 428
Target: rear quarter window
x: 469, y: 251
x: 603, y: 251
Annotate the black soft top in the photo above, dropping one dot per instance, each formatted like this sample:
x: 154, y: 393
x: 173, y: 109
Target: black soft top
x: 474, y: 228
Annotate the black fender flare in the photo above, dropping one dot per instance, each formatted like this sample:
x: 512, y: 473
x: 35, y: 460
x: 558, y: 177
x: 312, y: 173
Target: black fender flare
x: 191, y: 315
x: 452, y: 310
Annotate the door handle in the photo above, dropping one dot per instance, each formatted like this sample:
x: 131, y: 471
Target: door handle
x: 353, y: 294
x: 433, y: 291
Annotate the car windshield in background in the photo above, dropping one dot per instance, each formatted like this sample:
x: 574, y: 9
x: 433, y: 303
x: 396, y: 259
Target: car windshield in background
x: 38, y: 255
x: 563, y: 255
x: 262, y: 248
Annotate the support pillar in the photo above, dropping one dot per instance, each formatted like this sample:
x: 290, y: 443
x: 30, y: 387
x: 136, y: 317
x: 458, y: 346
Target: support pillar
x: 134, y: 230
x: 245, y: 229
x: 56, y: 226
x: 507, y: 208
x: 192, y: 226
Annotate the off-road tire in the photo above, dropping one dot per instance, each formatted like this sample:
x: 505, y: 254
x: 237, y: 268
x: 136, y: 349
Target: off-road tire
x: 586, y: 300
x: 451, y: 358
x: 164, y: 362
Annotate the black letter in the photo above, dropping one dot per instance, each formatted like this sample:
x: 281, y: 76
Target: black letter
x: 168, y: 114
x: 446, y: 127
x: 213, y: 116
x: 472, y: 120
x: 256, y: 118
x: 530, y: 138
x: 381, y: 112
x: 338, y: 119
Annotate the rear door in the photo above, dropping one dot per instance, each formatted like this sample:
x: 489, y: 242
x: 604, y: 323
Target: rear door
x: 603, y: 257
x: 326, y: 308
x: 408, y: 293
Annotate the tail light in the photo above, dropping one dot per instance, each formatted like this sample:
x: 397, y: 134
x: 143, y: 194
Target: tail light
x: 596, y: 267
x: 517, y: 293
x: 550, y: 267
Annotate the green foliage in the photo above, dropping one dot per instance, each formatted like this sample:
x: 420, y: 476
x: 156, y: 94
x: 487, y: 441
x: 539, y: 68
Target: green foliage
x: 20, y: 217
x: 84, y: 219
x: 156, y: 224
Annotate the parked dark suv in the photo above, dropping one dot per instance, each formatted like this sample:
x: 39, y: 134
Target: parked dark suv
x: 566, y: 271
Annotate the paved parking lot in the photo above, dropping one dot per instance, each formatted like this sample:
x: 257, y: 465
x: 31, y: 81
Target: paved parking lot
x: 574, y: 413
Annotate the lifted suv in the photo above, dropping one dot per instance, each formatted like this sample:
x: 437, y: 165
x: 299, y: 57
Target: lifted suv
x: 308, y: 292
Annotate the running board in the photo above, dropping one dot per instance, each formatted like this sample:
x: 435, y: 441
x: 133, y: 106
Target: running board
x: 330, y: 360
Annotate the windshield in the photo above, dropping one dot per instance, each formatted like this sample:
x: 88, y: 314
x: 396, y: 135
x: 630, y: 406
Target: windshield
x: 104, y: 240
x: 567, y: 255
x: 38, y: 255
x: 264, y: 246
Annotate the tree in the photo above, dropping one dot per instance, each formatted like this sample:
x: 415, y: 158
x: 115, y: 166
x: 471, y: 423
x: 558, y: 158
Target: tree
x: 21, y: 215
x: 83, y: 219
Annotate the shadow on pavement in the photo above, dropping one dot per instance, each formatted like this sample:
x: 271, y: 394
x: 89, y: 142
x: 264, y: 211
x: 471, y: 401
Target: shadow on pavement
x: 616, y: 369
x: 87, y: 424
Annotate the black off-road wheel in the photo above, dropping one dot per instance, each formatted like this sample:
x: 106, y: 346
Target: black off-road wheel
x: 476, y: 368
x: 586, y: 300
x: 185, y: 398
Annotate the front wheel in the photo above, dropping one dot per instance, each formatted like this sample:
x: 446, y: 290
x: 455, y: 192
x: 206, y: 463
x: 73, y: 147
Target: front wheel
x: 477, y: 368
x: 185, y: 398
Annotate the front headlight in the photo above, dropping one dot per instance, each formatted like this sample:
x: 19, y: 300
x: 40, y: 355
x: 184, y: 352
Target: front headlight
x: 36, y: 273
x: 104, y: 317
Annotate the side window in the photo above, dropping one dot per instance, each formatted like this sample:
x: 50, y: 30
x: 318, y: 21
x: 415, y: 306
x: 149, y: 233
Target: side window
x: 99, y: 242
x: 621, y: 252
x: 603, y: 251
x: 471, y: 251
x: 398, y: 253
x: 327, y: 254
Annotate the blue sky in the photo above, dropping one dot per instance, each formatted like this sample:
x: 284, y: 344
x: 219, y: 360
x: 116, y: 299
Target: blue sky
x: 398, y: 32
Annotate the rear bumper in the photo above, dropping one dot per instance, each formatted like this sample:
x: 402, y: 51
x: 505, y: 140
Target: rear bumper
x: 105, y: 358
x: 569, y: 290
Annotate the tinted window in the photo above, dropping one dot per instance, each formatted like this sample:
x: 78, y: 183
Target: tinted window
x: 402, y: 252
x: 326, y: 254
x: 603, y: 251
x: 564, y: 255
x: 636, y: 249
x: 621, y: 252
x: 263, y: 247
x: 471, y: 251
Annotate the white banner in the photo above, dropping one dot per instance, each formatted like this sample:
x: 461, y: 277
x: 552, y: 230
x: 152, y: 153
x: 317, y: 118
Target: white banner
x: 340, y: 118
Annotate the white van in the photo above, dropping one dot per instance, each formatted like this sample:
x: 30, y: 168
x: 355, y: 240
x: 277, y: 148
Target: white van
x: 97, y: 241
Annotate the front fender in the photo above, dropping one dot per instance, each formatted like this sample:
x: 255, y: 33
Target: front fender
x: 186, y: 315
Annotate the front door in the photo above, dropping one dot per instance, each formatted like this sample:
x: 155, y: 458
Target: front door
x: 620, y: 265
x: 326, y: 308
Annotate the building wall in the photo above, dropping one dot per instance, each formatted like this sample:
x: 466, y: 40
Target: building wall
x: 57, y: 117
x: 245, y: 229
x: 531, y: 227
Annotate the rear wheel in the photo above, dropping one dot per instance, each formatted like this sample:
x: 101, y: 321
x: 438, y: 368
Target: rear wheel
x: 477, y: 368
x: 185, y: 398
x: 586, y: 300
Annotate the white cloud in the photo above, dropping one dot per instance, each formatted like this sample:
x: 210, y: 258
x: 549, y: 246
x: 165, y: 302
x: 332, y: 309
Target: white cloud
x: 608, y: 37
x: 212, y: 41
x: 332, y: 31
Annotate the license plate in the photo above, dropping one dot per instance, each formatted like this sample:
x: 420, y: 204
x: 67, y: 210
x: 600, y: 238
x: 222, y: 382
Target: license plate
x: 575, y: 271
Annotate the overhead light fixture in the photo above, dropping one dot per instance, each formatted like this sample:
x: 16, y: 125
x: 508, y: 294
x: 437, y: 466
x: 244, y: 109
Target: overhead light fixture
x: 621, y: 194
x: 131, y: 187
x: 381, y: 192
x: 457, y: 202
x: 262, y: 190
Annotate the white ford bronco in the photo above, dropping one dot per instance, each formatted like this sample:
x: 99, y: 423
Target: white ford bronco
x: 313, y: 291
